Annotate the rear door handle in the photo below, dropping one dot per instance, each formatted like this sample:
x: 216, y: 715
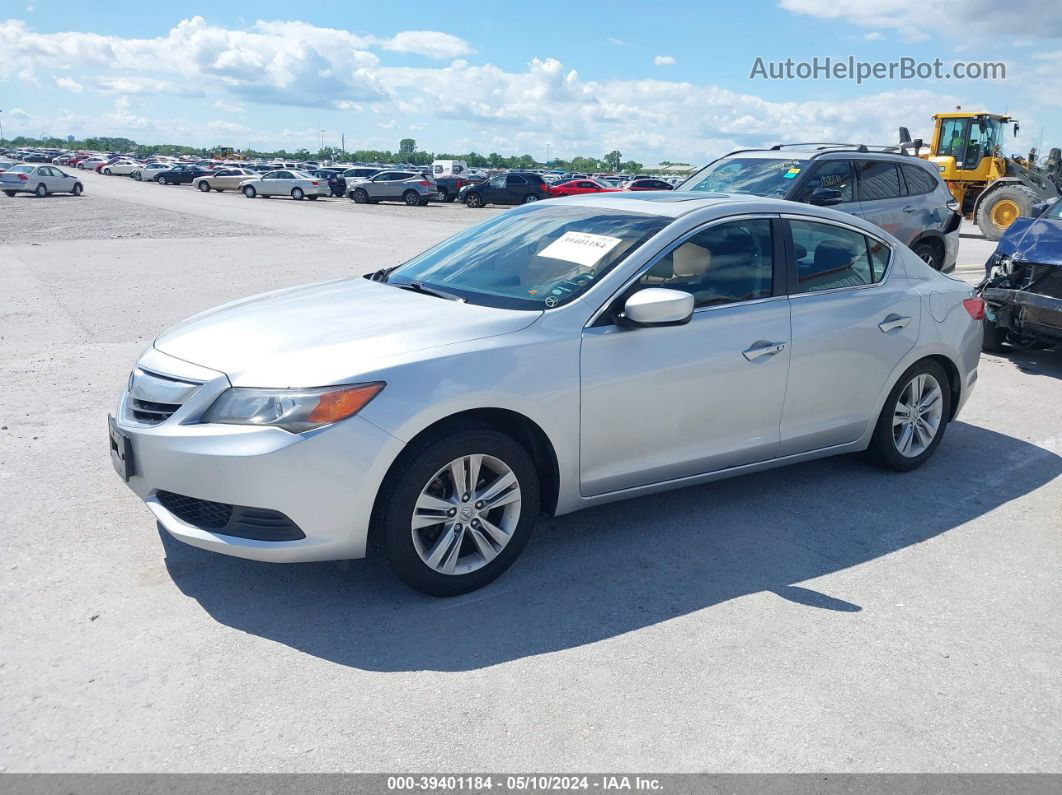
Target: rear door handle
x: 762, y: 348
x: 909, y: 208
x: 893, y: 322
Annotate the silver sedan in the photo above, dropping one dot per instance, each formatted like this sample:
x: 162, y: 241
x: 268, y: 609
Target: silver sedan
x: 558, y: 356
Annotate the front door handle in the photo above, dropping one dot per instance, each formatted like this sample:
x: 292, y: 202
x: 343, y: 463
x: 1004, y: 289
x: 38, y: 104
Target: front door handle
x: 893, y: 322
x: 763, y: 348
x: 909, y: 208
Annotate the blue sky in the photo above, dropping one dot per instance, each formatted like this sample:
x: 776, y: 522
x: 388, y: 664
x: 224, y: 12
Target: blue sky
x: 661, y: 80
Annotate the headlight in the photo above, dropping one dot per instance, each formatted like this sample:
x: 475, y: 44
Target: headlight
x: 294, y: 410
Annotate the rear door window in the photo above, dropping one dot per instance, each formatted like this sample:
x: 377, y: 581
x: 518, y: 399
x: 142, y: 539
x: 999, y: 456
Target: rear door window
x: 878, y: 180
x: 833, y: 174
x: 829, y: 257
x: 918, y: 180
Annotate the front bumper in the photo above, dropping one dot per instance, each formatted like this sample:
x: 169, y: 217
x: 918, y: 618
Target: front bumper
x: 325, y: 480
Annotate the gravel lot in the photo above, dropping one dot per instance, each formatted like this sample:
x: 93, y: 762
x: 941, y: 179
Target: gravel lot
x: 825, y: 617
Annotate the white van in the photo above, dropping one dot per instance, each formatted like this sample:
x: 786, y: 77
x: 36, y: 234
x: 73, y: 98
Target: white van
x: 448, y: 168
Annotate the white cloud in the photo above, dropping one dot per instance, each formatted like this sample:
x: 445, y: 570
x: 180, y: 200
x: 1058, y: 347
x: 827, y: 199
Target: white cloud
x: 874, y: 36
x: 618, y: 41
x: 69, y: 84
x: 427, y: 42
x: 664, y: 60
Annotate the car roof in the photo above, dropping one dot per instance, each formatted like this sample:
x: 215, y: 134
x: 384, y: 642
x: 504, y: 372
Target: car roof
x: 819, y: 152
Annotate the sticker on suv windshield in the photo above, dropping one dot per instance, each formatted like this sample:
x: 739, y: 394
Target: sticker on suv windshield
x: 581, y: 248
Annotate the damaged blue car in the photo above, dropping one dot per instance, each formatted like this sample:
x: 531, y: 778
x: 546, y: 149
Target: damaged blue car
x: 1022, y: 289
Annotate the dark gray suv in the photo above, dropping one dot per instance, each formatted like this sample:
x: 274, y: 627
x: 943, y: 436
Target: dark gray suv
x: 902, y: 194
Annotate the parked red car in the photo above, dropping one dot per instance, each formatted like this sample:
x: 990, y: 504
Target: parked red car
x: 575, y: 187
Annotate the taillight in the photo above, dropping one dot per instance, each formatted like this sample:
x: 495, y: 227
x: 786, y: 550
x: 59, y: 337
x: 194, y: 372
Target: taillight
x: 314, y: 183
x: 423, y: 183
x: 459, y: 183
x: 23, y: 178
x: 975, y: 306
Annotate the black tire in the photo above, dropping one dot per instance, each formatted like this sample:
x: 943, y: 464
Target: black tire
x: 411, y: 198
x: 139, y: 177
x: 107, y: 171
x: 41, y: 191
x: 249, y: 191
x: 450, y: 198
x: 204, y: 186
x: 473, y: 200
x: 423, y: 201
x: 391, y: 525
x: 297, y: 194
x: 359, y: 196
x: 161, y: 180
x: 883, y: 445
x: 77, y: 189
x: 929, y: 254
x: 219, y: 190
x: 531, y: 197
x: 313, y: 198
x: 1020, y: 195
x: 994, y: 337
x: 9, y: 193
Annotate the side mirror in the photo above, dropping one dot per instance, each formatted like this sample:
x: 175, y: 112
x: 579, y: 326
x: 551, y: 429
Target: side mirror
x: 824, y: 197
x: 658, y: 306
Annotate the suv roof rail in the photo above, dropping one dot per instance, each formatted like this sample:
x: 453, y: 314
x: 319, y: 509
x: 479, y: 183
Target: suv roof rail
x: 825, y: 145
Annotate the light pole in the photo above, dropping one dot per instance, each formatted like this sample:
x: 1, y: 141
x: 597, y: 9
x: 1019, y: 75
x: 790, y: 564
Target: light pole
x: 1, y: 130
x: 322, y: 139
x: 547, y: 155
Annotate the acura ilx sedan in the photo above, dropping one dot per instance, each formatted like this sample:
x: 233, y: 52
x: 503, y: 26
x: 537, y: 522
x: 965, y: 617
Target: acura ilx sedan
x: 561, y: 355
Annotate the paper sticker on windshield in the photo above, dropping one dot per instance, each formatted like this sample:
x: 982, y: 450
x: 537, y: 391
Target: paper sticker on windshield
x: 581, y: 248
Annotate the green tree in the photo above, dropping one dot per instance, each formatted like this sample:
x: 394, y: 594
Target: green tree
x: 406, y: 148
x: 612, y: 160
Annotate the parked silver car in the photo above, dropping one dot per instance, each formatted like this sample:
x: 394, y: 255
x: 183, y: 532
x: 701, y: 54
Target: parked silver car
x: 405, y: 186
x: 41, y: 180
x: 557, y: 356
x: 296, y: 184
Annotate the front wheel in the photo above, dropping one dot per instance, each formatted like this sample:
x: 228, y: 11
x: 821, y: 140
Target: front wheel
x: 9, y: 193
x: 457, y: 510
x: 913, y: 419
x: 204, y: 186
x: 297, y: 194
x: 107, y: 171
x: 161, y: 180
x: 360, y: 196
x: 473, y: 200
x: 1002, y: 206
x: 411, y: 198
x: 249, y: 191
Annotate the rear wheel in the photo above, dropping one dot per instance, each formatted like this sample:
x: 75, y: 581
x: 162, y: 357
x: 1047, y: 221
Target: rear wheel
x: 41, y: 191
x: 219, y: 190
x: 473, y: 200
x: 457, y: 510
x: 411, y: 198
x: 530, y: 198
x: 204, y: 186
x: 77, y: 189
x: 297, y: 194
x: 1002, y: 206
x: 249, y: 191
x: 913, y: 419
x: 9, y: 193
x: 929, y: 254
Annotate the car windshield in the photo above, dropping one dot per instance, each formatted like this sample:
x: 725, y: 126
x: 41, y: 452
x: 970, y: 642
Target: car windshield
x: 531, y: 257
x: 755, y: 175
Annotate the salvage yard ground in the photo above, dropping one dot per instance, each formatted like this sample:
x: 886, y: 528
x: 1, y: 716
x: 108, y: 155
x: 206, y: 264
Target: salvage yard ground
x: 828, y: 616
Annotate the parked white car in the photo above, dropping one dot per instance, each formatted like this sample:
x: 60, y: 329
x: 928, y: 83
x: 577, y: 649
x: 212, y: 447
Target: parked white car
x: 147, y: 172
x: 90, y: 163
x: 42, y: 180
x: 296, y: 184
x: 122, y: 168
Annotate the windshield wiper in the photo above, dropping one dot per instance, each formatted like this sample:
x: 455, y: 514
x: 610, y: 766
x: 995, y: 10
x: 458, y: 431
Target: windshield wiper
x: 382, y: 274
x: 418, y: 287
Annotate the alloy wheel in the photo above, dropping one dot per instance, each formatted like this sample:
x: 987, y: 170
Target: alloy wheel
x: 466, y: 514
x: 917, y: 416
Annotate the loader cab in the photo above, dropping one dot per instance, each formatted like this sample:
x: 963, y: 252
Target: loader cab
x: 967, y: 143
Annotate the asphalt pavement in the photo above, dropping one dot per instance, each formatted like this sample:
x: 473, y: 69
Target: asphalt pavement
x: 825, y: 617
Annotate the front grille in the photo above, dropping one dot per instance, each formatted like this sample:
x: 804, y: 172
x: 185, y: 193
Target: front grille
x: 151, y: 413
x: 154, y: 397
x: 1046, y: 280
x: 260, y: 524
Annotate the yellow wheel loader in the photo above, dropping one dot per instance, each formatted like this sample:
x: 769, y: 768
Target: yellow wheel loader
x: 991, y: 188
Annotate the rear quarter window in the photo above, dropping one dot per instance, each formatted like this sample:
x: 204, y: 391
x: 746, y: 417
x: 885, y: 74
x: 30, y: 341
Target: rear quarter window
x: 918, y: 180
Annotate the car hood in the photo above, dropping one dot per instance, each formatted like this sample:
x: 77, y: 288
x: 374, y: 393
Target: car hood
x: 326, y: 333
x: 1037, y: 240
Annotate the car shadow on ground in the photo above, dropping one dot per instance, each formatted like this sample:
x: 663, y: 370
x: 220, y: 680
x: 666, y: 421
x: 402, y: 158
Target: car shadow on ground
x: 605, y: 571
x: 1034, y: 361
